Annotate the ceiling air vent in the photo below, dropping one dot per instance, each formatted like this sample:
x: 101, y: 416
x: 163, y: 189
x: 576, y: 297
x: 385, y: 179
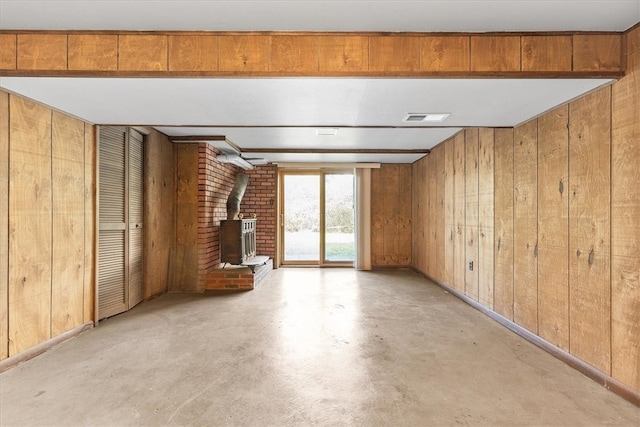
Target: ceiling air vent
x: 426, y: 117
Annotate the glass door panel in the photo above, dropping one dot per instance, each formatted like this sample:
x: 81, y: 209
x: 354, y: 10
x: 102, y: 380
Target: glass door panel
x: 339, y: 235
x: 301, y: 218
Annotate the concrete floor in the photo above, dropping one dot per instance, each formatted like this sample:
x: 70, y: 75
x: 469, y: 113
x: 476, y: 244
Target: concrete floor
x: 308, y: 347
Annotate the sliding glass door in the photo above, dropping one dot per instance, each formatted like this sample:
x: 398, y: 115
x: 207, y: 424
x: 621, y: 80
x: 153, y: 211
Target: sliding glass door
x: 317, y: 218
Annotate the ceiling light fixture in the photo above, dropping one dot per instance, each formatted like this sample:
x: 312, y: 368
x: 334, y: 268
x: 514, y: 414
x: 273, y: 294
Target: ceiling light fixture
x: 327, y: 131
x: 426, y: 117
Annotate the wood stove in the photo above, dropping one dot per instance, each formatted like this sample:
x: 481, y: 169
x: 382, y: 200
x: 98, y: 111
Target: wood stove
x: 237, y: 240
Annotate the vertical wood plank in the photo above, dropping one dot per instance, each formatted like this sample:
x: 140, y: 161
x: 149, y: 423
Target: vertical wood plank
x: 243, y: 53
x: 485, y: 216
x: 439, y: 235
x: 404, y: 215
x: 97, y: 52
x: 4, y: 224
x: 29, y: 225
x: 146, y: 52
x: 597, y: 52
x: 431, y: 212
x: 424, y: 201
x: 589, y: 229
x: 444, y: 53
x: 525, y: 226
x: 293, y: 54
x: 625, y: 222
x: 377, y: 216
x: 8, y: 52
x: 459, y: 260
x: 471, y: 213
x: 390, y: 214
x: 503, y: 223
x: 415, y: 217
x: 343, y: 53
x: 193, y: 53
x: 42, y: 51
x: 394, y: 53
x: 495, y: 53
x: 449, y: 212
x: 546, y: 53
x: 553, y: 227
x: 67, y: 171
x: 90, y: 229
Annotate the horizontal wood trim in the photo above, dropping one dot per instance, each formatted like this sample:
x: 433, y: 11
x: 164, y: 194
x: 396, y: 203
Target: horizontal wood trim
x: 282, y: 54
x: 333, y: 151
x: 594, y: 374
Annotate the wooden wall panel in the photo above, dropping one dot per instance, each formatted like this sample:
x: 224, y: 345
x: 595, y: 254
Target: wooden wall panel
x: 294, y: 54
x: 525, y: 226
x: 439, y: 225
x: 42, y: 51
x: 8, y: 52
x: 343, y: 53
x: 4, y: 225
x: 193, y: 53
x: 416, y: 217
x: 503, y: 222
x: 597, y: 52
x: 29, y: 225
x: 625, y: 222
x: 90, y: 229
x: 485, y: 216
x: 93, y: 52
x: 404, y: 215
x: 431, y: 215
x: 459, y: 257
x: 449, y: 212
x: 424, y: 201
x: 495, y: 53
x: 471, y: 213
x: 67, y: 270
x: 444, y: 53
x: 377, y: 217
x: 243, y: 53
x: 553, y: 227
x: 142, y: 52
x: 546, y: 53
x: 589, y: 228
x: 394, y: 53
x: 390, y: 212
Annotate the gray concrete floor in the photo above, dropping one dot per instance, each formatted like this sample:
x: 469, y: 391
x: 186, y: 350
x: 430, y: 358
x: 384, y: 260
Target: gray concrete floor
x: 308, y: 347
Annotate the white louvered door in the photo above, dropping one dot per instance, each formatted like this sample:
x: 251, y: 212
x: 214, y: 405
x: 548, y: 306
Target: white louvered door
x: 120, y: 285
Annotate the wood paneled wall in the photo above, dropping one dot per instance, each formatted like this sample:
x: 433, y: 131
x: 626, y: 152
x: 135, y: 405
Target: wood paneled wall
x: 308, y: 54
x: 562, y: 195
x: 47, y: 247
x: 391, y: 215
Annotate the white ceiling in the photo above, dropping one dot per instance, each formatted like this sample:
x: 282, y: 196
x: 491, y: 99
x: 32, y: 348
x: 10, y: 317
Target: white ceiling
x: 285, y: 112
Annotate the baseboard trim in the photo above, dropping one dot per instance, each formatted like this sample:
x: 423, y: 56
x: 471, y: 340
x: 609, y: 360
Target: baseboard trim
x: 594, y: 374
x: 14, y: 361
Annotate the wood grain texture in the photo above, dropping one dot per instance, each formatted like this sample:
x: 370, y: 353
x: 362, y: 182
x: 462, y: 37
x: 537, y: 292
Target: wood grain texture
x: 8, y: 52
x: 243, y: 53
x: 377, y: 217
x: 415, y: 214
x: 546, y: 53
x: 597, y: 52
x: 471, y: 213
x: 444, y: 53
x: 29, y: 225
x: 90, y: 228
x: 553, y: 227
x: 394, y: 53
x: 93, y: 52
x: 391, y: 190
x: 404, y: 215
x: 439, y: 223
x: 67, y: 270
x: 343, y: 53
x: 495, y: 53
x: 193, y: 53
x: 42, y: 51
x: 485, y: 216
x: 525, y: 226
x: 294, y: 54
x: 625, y: 223
x: 159, y: 165
x: 503, y: 222
x: 4, y: 225
x: 142, y: 52
x: 589, y: 229
x: 431, y: 215
x: 459, y: 257
x: 449, y: 212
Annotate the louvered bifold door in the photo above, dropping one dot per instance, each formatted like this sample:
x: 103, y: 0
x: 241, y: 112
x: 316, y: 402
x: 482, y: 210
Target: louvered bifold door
x: 135, y: 217
x: 112, y: 293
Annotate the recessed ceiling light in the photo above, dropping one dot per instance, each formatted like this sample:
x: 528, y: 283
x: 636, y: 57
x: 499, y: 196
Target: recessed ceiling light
x: 426, y: 117
x: 327, y: 131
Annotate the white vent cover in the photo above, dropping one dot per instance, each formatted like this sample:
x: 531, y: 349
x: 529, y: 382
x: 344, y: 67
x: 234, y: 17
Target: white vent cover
x: 426, y: 117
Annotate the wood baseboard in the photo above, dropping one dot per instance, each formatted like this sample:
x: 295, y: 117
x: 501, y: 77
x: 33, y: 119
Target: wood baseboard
x: 596, y: 375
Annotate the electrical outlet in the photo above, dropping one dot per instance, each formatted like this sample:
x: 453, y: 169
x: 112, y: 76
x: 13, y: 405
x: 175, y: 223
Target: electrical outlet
x: 470, y: 265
